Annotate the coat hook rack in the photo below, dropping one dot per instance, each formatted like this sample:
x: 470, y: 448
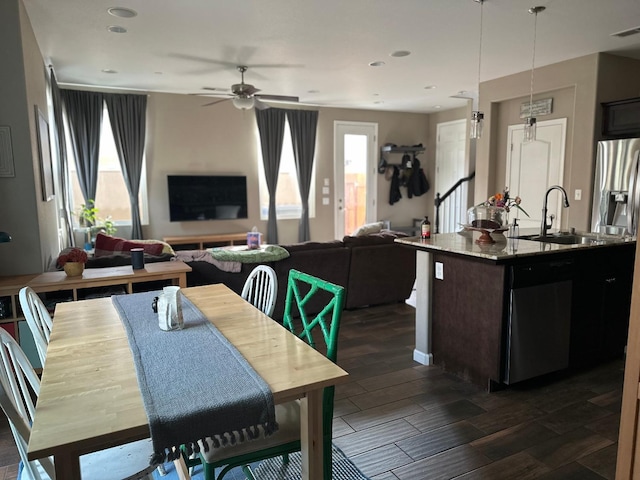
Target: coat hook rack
x: 386, y: 149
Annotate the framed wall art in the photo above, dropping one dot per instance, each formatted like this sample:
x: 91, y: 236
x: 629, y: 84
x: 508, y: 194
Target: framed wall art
x: 44, y: 150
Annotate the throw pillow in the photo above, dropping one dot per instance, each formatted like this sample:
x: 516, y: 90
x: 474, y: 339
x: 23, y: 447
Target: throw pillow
x: 367, y: 229
x: 108, y: 245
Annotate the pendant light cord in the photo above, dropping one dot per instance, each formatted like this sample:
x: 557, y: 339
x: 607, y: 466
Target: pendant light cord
x: 533, y: 62
x: 480, y: 50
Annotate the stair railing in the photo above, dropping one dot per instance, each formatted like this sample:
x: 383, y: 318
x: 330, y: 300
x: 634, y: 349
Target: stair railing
x: 440, y: 199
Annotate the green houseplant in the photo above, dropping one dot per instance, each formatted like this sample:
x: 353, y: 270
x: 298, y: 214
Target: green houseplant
x: 88, y: 218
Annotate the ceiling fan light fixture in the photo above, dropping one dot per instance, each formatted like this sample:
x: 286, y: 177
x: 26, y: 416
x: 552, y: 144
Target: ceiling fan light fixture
x: 243, y: 102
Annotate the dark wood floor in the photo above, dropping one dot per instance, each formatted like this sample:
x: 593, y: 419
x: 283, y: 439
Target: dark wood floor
x: 397, y: 419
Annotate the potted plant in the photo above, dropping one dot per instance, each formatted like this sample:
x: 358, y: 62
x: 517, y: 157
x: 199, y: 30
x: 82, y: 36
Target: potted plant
x: 72, y: 261
x: 88, y: 218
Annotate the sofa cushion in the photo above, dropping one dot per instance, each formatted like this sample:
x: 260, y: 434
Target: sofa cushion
x: 368, y: 228
x: 383, y: 237
x: 304, y: 246
x: 107, y: 245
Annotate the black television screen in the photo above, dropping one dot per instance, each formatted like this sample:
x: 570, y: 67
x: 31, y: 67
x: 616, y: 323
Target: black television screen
x: 207, y: 197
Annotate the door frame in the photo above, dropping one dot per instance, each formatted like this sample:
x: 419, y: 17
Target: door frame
x: 338, y: 174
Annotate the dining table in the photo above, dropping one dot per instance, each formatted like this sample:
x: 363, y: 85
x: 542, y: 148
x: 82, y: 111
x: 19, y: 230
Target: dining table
x: 90, y: 399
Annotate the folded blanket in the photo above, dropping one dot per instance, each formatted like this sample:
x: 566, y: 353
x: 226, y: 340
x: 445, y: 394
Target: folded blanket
x: 270, y: 253
x: 194, y: 383
x: 205, y: 256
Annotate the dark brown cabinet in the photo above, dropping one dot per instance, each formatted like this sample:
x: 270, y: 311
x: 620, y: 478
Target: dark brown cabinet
x: 600, y: 304
x: 621, y: 119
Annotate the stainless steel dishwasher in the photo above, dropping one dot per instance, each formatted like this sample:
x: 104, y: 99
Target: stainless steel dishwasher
x: 539, y: 319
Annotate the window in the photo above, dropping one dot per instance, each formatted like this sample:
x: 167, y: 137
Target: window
x: 112, y: 196
x: 288, y: 203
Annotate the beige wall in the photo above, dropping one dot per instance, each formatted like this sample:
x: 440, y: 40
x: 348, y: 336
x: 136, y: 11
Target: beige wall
x: 577, y: 86
x: 29, y: 220
x: 184, y: 137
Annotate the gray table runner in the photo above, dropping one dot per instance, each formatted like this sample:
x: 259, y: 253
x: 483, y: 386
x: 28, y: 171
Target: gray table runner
x: 194, y: 383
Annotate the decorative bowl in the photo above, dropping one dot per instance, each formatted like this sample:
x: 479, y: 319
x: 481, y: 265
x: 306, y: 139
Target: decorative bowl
x: 73, y: 269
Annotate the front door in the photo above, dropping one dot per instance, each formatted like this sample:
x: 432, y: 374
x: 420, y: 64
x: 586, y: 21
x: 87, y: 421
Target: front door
x: 355, y: 175
x: 533, y: 167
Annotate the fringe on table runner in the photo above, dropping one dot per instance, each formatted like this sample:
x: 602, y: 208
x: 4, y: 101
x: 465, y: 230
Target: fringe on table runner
x: 219, y: 440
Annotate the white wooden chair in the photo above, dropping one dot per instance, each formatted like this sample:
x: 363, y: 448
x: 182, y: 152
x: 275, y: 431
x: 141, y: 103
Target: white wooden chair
x: 38, y: 319
x: 261, y: 288
x: 18, y: 384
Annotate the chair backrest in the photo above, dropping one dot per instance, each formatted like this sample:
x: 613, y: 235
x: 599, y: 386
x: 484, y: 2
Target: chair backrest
x: 18, y: 386
x: 260, y: 289
x: 301, y: 287
x: 38, y: 319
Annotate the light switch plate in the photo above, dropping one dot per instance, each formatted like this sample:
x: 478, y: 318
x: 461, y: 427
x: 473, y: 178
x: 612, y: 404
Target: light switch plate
x: 325, y: 190
x: 439, y: 271
x: 578, y: 194
x: 325, y: 200
x: 326, y: 182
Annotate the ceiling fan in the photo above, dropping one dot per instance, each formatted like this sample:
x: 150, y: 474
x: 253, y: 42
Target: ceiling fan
x: 244, y: 95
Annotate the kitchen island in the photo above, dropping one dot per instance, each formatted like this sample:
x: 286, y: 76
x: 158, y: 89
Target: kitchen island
x: 501, y: 313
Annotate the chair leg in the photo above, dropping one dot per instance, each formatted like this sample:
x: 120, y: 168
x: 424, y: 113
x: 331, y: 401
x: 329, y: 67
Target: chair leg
x: 285, y: 458
x: 246, y: 469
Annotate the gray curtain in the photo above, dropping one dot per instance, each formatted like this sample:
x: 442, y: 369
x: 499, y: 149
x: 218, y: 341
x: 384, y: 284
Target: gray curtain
x: 62, y: 159
x: 271, y: 128
x: 84, y: 114
x: 128, y: 114
x: 303, y: 124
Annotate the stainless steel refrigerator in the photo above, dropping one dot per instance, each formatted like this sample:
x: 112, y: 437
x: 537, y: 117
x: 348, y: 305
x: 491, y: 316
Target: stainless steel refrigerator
x: 616, y: 187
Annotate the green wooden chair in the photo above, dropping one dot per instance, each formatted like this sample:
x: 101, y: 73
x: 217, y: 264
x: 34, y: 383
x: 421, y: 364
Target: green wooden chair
x: 324, y: 327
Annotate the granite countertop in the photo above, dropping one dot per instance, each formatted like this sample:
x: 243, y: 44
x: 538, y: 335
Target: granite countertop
x: 464, y: 243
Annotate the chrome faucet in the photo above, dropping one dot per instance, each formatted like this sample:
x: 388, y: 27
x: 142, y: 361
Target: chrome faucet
x: 544, y: 227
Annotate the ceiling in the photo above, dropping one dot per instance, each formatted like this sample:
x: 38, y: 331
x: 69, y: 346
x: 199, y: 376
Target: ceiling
x: 320, y: 50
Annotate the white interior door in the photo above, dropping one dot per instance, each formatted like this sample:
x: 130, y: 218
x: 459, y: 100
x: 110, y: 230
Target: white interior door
x: 450, y: 161
x: 533, y: 167
x: 355, y: 175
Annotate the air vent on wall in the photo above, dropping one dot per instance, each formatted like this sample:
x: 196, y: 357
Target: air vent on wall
x: 626, y: 33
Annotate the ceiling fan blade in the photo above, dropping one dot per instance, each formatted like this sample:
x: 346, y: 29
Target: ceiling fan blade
x: 250, y: 90
x: 217, y: 101
x: 279, y: 98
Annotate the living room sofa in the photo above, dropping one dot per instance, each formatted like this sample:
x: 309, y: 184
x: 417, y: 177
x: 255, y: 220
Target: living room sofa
x: 373, y: 269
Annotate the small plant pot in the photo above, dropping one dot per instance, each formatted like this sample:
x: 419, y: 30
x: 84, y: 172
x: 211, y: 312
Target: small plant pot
x: 73, y: 269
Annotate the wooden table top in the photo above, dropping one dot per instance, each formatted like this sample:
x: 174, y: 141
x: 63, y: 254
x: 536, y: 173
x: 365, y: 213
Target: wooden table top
x: 90, y: 400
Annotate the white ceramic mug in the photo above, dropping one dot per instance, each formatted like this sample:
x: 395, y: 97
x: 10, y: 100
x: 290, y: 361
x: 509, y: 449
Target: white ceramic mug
x: 170, y: 309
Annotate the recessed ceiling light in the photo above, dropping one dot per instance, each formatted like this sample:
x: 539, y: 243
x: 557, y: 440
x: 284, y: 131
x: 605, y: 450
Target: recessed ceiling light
x: 108, y: 70
x: 430, y: 87
x: 400, y: 53
x: 378, y: 102
x: 377, y: 63
x: 437, y: 106
x: 313, y: 91
x: 159, y: 73
x: 462, y: 92
x: 122, y: 12
x: 376, y: 94
x: 116, y: 29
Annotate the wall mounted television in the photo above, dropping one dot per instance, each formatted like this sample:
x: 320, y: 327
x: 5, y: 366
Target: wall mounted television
x: 207, y: 197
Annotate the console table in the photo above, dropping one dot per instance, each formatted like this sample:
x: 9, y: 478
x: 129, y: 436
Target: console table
x: 12, y: 319
x: 201, y: 240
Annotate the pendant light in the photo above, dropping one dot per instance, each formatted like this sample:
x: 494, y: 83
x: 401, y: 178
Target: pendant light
x: 530, y: 121
x: 4, y: 237
x: 477, y: 117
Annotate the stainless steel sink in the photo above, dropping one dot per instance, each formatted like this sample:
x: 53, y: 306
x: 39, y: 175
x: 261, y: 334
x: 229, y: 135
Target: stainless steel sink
x: 567, y: 238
